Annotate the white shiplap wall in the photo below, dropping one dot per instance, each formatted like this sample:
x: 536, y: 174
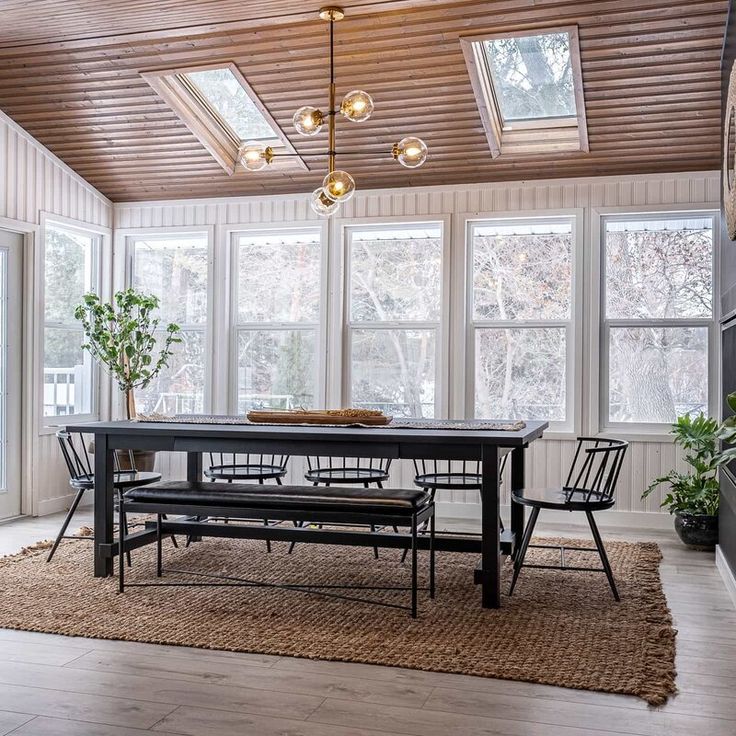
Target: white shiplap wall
x: 548, y: 458
x: 32, y: 181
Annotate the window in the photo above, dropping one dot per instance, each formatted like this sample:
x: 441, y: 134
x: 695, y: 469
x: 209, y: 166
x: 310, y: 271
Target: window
x: 394, y: 304
x: 657, y: 317
x: 529, y: 90
x: 277, y: 287
x: 70, y: 270
x: 221, y: 109
x: 174, y: 267
x: 521, y: 318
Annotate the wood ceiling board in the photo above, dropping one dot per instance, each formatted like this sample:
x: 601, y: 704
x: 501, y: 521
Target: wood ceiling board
x: 650, y: 72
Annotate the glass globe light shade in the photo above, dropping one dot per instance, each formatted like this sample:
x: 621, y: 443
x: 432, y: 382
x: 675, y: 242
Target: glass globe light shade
x: 253, y: 156
x: 322, y: 204
x: 308, y: 120
x: 339, y: 185
x: 410, y: 152
x: 357, y: 106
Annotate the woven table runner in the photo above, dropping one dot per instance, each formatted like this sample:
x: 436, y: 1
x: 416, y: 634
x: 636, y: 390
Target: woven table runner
x: 473, y: 425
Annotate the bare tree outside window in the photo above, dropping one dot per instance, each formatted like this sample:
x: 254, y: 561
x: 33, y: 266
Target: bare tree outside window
x: 521, y: 317
x: 175, y: 269
x: 70, y: 271
x: 278, y: 302
x: 532, y: 76
x: 395, y: 277
x: 658, y: 309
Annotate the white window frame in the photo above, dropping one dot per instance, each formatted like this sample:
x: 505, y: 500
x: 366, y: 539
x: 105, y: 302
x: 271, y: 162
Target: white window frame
x: 645, y: 431
x: 232, y: 234
x: 100, y: 260
x: 538, y: 135
x: 125, y: 239
x: 341, y: 308
x: 214, y: 133
x: 573, y: 325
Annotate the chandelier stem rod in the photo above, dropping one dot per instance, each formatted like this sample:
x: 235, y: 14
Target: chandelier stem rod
x: 331, y: 113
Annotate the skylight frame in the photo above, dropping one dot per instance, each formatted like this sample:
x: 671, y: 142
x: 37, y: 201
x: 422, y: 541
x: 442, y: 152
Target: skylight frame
x: 208, y: 126
x: 534, y: 135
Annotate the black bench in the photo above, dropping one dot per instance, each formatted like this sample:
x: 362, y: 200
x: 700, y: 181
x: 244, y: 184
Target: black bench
x: 206, y: 508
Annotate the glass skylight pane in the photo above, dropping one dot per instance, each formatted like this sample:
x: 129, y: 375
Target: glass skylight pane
x: 231, y: 102
x: 532, y: 76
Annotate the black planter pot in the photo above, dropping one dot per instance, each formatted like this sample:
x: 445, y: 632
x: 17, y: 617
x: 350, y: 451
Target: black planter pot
x: 697, y: 531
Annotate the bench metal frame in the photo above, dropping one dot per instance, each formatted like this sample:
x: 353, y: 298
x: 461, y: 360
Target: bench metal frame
x: 198, y: 520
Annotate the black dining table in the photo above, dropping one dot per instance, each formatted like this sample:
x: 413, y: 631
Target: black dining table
x: 435, y: 440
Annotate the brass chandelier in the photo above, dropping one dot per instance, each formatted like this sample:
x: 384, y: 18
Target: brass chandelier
x: 338, y: 185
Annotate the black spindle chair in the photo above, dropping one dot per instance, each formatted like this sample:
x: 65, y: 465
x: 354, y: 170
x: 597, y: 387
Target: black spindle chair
x: 443, y: 475
x: 230, y: 466
x: 81, y: 478
x: 589, y: 487
x: 327, y: 471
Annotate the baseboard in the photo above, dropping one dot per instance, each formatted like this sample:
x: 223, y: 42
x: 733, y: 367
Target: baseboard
x: 61, y: 503
x: 729, y: 578
x: 469, y: 513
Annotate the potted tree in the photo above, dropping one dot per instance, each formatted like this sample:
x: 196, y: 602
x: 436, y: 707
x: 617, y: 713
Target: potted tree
x: 121, y: 336
x: 693, y: 495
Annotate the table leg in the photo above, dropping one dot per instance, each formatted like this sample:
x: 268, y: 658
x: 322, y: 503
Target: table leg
x: 104, y: 506
x: 194, y: 475
x: 517, y: 483
x: 490, y: 573
x: 194, y: 467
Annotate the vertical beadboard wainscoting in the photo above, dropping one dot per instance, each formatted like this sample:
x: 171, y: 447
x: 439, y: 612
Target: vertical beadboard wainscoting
x: 586, y: 200
x: 35, y: 185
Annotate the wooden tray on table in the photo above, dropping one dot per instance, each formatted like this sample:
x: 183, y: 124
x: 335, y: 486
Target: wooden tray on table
x: 367, y: 417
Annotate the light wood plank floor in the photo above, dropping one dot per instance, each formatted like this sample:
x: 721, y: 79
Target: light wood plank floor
x: 61, y: 686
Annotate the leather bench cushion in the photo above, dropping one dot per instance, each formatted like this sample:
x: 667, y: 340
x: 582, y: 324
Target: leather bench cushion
x: 291, y: 498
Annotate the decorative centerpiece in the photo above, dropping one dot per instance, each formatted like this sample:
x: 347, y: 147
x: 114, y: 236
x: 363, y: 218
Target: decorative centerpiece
x: 368, y: 417
x: 693, y: 495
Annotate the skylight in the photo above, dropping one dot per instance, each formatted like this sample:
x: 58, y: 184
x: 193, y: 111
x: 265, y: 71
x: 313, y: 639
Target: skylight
x: 221, y: 109
x: 529, y: 90
x: 532, y: 76
x: 228, y: 98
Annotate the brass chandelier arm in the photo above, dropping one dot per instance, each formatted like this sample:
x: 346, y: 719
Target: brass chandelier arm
x: 331, y: 113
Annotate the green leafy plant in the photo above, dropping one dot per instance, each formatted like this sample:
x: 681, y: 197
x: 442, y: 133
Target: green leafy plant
x: 121, y: 336
x: 696, y: 492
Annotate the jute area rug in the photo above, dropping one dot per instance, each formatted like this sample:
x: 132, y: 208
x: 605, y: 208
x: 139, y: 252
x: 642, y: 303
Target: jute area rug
x: 559, y: 628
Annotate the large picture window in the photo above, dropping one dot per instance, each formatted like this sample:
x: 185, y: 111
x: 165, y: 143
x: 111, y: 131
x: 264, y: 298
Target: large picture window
x: 521, y: 318
x: 657, y: 309
x: 394, y: 275
x: 70, y: 269
x: 277, y: 280
x: 175, y: 268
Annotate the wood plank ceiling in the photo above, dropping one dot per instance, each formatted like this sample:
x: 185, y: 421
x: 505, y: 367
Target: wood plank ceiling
x: 70, y: 75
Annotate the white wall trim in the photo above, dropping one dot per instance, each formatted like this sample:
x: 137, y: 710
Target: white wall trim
x: 729, y: 578
x: 417, y: 190
x: 470, y: 514
x: 4, y: 118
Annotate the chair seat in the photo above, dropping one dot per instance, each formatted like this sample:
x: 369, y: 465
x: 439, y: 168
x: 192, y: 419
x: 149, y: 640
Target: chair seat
x: 559, y: 498
x: 449, y: 481
x: 245, y: 472
x: 285, y: 498
x: 347, y: 475
x: 121, y: 480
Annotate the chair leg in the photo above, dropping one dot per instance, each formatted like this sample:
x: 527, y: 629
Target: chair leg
x: 67, y: 520
x: 521, y: 552
x: 373, y: 528
x: 159, y: 548
x: 121, y: 548
x: 298, y: 525
x: 414, y: 567
x: 173, y: 538
x: 602, y: 553
x: 431, y: 556
x: 125, y: 531
x: 268, y: 541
